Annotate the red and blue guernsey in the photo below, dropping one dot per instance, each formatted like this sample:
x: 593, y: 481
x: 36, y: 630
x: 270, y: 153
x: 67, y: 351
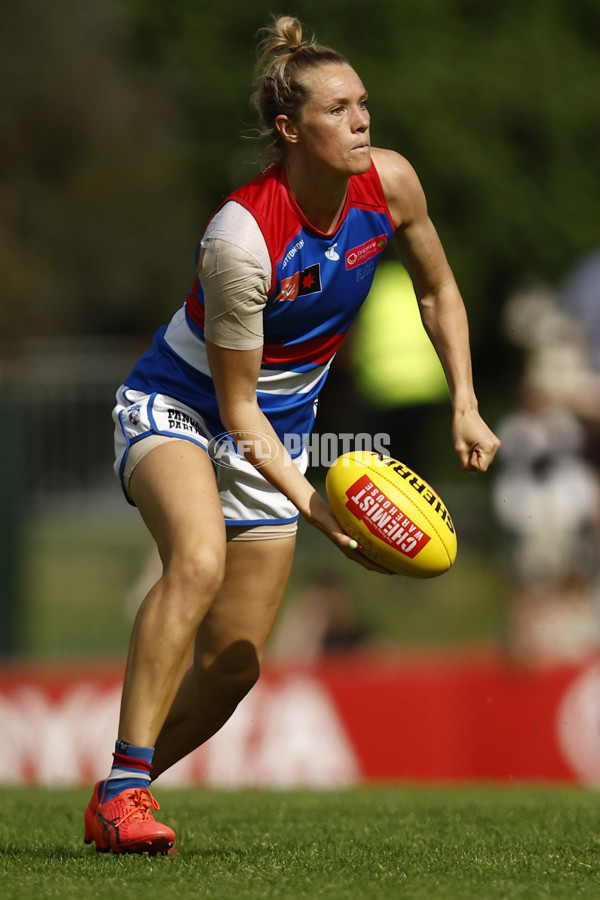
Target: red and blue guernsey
x: 318, y: 283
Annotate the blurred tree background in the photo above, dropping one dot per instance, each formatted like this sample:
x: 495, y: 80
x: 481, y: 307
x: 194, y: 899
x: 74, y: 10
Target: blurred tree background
x: 126, y: 122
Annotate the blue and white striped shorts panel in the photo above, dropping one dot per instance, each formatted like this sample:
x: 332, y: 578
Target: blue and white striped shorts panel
x: 246, y: 497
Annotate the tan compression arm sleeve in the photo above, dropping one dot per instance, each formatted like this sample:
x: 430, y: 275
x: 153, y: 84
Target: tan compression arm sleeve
x: 235, y: 292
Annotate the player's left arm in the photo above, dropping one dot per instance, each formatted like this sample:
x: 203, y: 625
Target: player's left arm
x: 441, y: 305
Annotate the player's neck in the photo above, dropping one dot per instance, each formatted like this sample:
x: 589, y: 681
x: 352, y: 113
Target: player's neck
x: 320, y: 196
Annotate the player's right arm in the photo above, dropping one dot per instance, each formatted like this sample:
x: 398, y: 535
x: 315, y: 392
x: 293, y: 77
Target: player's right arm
x: 235, y: 374
x: 235, y: 291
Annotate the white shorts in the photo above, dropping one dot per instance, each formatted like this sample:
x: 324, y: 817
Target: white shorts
x: 247, y: 499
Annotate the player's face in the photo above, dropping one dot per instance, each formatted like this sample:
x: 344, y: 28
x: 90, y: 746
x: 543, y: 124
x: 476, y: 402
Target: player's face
x: 333, y: 128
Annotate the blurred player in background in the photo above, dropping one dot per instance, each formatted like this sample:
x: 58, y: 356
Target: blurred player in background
x: 204, y: 419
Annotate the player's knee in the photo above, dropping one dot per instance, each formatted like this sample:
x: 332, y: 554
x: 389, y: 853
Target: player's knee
x: 198, y: 572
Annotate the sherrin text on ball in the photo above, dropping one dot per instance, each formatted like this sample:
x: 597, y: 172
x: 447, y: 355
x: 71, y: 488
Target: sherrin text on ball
x: 398, y: 519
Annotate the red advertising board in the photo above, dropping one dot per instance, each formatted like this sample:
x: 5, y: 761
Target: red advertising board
x: 341, y: 722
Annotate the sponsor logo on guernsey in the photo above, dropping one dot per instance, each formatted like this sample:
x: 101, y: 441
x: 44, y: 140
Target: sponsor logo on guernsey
x: 369, y: 504
x: 292, y: 252
x: 301, y: 283
x: 362, y: 254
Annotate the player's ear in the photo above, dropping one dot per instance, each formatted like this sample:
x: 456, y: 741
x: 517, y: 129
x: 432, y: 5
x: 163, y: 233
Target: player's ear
x: 287, y: 129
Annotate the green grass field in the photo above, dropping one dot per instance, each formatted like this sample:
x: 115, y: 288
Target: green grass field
x: 413, y: 843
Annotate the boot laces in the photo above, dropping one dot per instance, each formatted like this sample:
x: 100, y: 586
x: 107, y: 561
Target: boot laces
x: 140, y: 803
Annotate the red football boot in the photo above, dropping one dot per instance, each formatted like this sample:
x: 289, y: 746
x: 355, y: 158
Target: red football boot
x: 90, y: 812
x: 126, y: 824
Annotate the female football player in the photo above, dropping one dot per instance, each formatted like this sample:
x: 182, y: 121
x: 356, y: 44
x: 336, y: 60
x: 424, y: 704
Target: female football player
x: 209, y: 423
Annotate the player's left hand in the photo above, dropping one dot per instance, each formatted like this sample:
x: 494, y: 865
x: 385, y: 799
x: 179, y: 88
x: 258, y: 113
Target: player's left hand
x: 475, y: 443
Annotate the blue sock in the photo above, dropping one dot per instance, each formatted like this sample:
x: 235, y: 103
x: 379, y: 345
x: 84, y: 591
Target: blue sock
x: 130, y: 770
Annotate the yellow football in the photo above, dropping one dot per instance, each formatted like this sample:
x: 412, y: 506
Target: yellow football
x: 394, y: 514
